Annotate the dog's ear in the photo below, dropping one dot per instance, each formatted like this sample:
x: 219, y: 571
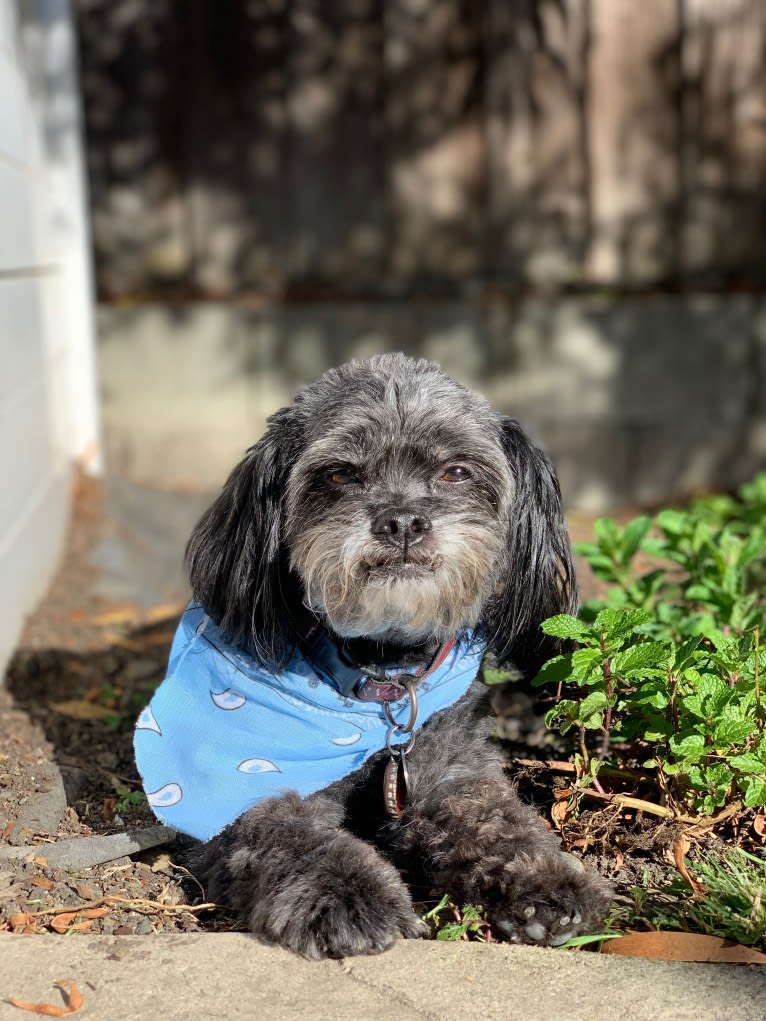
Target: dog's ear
x: 236, y: 557
x: 539, y: 579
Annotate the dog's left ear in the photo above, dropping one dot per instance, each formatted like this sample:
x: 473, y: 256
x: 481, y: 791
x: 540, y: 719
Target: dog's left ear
x: 236, y: 556
x: 539, y: 578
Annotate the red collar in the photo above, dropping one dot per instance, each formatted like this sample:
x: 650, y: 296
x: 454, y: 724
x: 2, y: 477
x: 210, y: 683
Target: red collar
x: 388, y: 688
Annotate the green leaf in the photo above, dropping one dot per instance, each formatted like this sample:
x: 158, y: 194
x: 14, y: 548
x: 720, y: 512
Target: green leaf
x: 755, y: 794
x: 728, y: 732
x: 690, y: 747
x: 603, y: 566
x: 747, y: 763
x: 614, y: 624
x: 592, y: 706
x: 659, y: 731
x: 673, y: 522
x: 586, y: 549
x: 555, y: 670
x: 710, y: 693
x: 499, y: 676
x: 584, y: 663
x: 566, y: 626
x: 699, y: 593
x: 632, y: 537
x: 582, y: 941
x: 562, y: 716
x: 684, y: 653
x: 653, y: 693
x: 645, y: 654
x: 656, y: 547
x: 608, y: 533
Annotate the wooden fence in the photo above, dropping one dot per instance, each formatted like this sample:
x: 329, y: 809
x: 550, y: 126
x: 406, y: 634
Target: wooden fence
x: 373, y: 147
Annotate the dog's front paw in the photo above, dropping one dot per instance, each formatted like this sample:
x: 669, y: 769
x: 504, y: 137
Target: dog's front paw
x: 548, y: 901
x: 346, y: 901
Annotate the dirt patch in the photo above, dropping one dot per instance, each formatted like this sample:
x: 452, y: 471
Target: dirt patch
x: 77, y: 711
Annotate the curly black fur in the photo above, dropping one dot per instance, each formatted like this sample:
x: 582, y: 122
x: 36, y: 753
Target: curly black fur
x: 292, y: 543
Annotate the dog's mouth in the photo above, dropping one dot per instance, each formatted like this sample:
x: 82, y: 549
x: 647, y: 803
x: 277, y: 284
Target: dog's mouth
x: 401, y: 568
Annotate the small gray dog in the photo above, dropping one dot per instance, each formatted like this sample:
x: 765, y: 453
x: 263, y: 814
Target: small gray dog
x: 388, y: 530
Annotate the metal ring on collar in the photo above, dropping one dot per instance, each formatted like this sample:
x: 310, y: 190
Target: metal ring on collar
x: 402, y: 749
x: 410, y: 685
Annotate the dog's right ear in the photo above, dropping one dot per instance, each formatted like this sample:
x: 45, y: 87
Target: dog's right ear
x: 237, y: 562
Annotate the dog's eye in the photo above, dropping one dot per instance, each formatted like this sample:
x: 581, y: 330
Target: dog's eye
x: 344, y: 477
x: 455, y: 473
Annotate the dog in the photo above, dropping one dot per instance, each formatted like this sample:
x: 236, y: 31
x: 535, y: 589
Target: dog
x: 323, y: 728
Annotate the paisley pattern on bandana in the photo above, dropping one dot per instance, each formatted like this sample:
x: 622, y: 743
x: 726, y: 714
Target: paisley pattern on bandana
x: 222, y: 734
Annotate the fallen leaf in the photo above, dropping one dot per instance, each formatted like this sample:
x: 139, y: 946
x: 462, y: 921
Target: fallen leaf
x: 130, y: 614
x: 560, y: 812
x: 682, y: 946
x: 85, y: 891
x: 62, y: 922
x: 46, y: 884
x: 95, y: 912
x: 158, y: 638
x: 10, y: 889
x: 759, y: 824
x: 81, y: 709
x: 160, y: 862
x: 96, y: 693
x: 77, y: 668
x: 20, y: 920
x: 72, y: 998
x: 129, y: 644
x: 680, y: 846
x: 66, y: 922
x: 164, y: 610
x: 117, y: 615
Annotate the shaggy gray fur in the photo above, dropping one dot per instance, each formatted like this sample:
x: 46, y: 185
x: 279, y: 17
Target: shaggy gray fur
x: 392, y: 507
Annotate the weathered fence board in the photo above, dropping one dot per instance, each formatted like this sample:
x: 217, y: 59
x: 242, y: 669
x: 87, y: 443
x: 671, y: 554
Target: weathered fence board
x: 724, y: 138
x: 536, y: 94
x: 633, y: 140
x: 357, y: 147
x: 435, y: 138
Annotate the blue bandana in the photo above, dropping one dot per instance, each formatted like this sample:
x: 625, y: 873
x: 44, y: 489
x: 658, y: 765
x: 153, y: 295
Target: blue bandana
x: 222, y: 734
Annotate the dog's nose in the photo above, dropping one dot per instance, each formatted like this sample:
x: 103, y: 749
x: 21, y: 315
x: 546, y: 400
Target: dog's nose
x: 400, y: 526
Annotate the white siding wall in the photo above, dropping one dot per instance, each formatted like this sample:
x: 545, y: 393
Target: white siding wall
x: 47, y: 394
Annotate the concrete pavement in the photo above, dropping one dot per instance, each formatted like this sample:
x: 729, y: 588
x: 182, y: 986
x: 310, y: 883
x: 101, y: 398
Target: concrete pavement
x: 230, y: 977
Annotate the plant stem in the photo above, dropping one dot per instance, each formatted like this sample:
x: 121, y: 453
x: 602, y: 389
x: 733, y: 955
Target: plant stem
x: 584, y: 750
x: 700, y: 821
x: 607, y: 728
x: 758, y: 706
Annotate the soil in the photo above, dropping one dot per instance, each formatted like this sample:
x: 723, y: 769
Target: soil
x: 82, y: 672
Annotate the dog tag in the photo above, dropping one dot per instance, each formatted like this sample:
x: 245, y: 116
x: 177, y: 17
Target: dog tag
x: 395, y: 785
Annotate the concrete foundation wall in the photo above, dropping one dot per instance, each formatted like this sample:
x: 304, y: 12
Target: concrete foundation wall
x: 638, y: 400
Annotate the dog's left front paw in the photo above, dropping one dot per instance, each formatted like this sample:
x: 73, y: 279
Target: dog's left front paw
x: 548, y: 901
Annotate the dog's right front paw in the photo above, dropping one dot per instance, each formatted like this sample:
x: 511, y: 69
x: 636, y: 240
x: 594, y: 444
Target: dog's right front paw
x: 349, y: 901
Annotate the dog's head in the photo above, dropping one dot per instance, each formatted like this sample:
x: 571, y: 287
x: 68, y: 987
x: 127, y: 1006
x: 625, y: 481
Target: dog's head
x: 390, y: 503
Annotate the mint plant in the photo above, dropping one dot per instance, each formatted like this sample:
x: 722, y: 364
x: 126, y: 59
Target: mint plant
x: 451, y: 923
x: 668, y: 666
